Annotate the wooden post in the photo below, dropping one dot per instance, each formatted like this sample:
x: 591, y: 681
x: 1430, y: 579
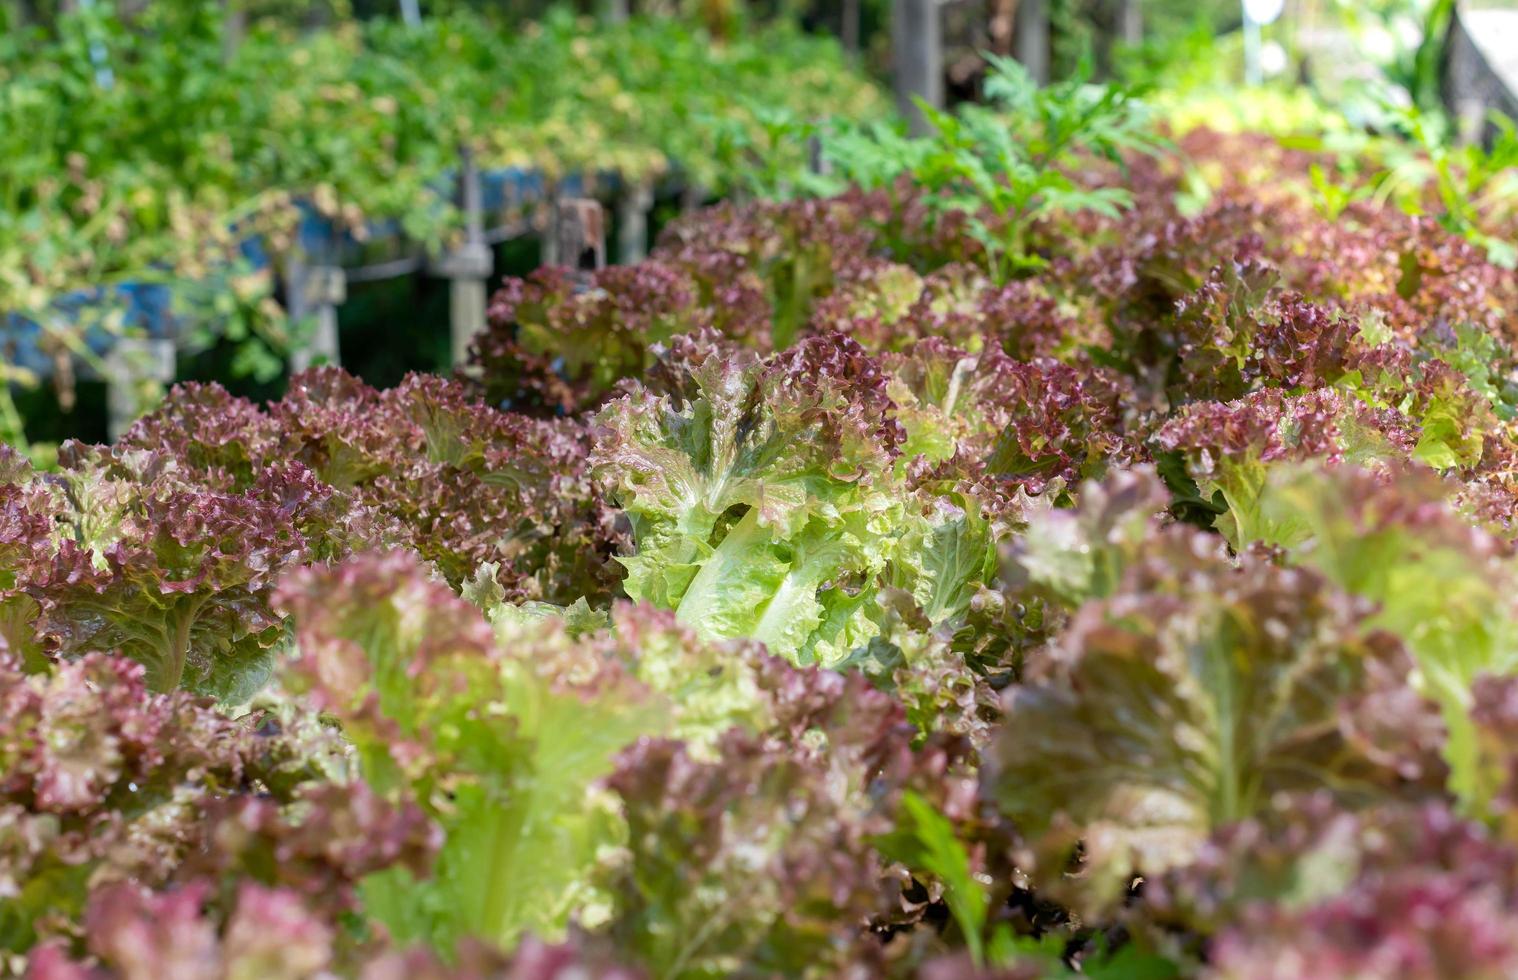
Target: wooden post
x: 1481, y: 70
x: 548, y: 243
x: 848, y: 30
x: 1131, y: 22
x: 466, y: 313
x: 1033, y: 38
x: 816, y: 160
x: 132, y: 367
x: 917, y: 56
x: 692, y: 197
x: 632, y: 223
x: 234, y: 25
x: 315, y: 291
x: 1470, y: 122
x: 468, y: 266
x: 579, y: 235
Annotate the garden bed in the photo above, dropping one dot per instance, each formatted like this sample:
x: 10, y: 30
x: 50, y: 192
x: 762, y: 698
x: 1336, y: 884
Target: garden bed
x: 832, y: 594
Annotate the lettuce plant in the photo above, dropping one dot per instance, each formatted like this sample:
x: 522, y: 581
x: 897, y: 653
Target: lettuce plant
x: 1191, y: 695
x: 759, y: 490
x: 1149, y: 616
x: 1386, y: 542
x: 174, y: 575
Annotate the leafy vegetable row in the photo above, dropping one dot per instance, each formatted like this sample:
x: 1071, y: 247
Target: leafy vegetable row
x: 138, y: 151
x: 815, y: 598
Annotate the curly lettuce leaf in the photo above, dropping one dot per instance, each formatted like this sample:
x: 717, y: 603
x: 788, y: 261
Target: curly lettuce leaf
x: 1186, y: 700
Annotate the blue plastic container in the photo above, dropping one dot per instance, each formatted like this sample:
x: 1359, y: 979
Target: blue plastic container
x: 147, y: 307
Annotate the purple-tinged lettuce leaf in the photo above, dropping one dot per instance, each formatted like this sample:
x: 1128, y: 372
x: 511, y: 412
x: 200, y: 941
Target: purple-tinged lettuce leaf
x: 134, y: 934
x: 551, y: 347
x: 1426, y: 928
x: 1185, y: 700
x: 1386, y: 540
x: 173, y: 575
x: 490, y: 486
x: 208, y: 431
x: 1237, y: 333
x: 1412, y: 894
x: 101, y: 779
x: 1062, y: 425
x: 1309, y: 885
x: 1068, y: 557
x: 762, y: 861
x: 274, y: 934
x: 951, y: 402
x: 320, y: 844
x: 424, y: 465
x: 870, y: 303
x: 1301, y: 346
x: 1229, y: 449
x: 1494, y: 713
x: 1450, y: 417
x: 26, y: 527
x: 337, y: 426
x: 1023, y: 319
x: 798, y: 250
x: 1214, y: 330
x: 500, y: 745
x: 501, y: 735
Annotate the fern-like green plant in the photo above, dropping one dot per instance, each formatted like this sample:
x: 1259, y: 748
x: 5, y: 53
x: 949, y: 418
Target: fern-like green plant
x: 1007, y: 163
